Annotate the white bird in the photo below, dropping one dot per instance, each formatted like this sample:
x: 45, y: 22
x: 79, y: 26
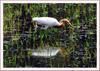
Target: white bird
x: 46, y: 22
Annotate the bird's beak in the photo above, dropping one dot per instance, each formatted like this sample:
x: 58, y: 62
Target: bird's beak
x: 71, y: 25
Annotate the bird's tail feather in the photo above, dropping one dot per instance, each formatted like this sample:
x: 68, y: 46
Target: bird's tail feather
x: 34, y: 19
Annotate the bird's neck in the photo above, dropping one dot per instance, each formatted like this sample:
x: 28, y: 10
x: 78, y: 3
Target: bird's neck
x: 60, y: 26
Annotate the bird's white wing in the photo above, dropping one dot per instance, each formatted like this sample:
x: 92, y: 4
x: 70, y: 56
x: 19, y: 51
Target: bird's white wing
x: 40, y: 20
x: 46, y: 21
x: 52, y: 22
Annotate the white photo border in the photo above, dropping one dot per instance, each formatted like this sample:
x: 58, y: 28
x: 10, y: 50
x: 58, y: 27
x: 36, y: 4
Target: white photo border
x: 1, y: 36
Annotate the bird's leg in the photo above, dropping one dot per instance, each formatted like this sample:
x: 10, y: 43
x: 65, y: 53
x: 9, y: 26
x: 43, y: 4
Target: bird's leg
x: 36, y: 27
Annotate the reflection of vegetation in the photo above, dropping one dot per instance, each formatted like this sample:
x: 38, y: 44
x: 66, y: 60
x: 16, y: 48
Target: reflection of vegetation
x: 78, y: 44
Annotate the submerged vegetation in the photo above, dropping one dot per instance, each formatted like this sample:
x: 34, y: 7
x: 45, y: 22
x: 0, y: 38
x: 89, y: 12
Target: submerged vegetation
x: 78, y: 44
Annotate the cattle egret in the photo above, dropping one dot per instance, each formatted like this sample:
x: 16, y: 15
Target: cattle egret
x: 46, y: 22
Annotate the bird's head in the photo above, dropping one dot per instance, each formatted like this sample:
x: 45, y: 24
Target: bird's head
x: 65, y: 22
